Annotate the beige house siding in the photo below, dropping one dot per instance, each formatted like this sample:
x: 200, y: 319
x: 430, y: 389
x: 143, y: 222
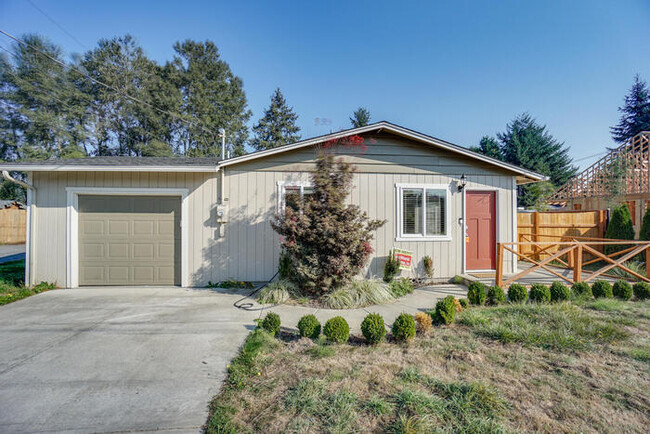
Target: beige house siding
x: 49, y: 240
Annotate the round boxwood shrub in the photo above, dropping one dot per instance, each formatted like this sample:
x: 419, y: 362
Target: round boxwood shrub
x: 445, y: 310
x: 539, y: 293
x: 423, y: 322
x: 602, y: 289
x: 582, y: 290
x: 622, y: 289
x: 373, y: 328
x: 271, y: 323
x: 641, y: 290
x: 495, y: 295
x: 337, y: 329
x: 309, y: 326
x: 476, y: 293
x: 517, y: 293
x: 464, y: 303
x: 404, y: 327
x: 559, y: 291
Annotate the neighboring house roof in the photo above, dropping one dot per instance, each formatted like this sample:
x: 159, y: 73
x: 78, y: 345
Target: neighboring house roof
x: 9, y: 203
x: 156, y: 164
x: 528, y: 175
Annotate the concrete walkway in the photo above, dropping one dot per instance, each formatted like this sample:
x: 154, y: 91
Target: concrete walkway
x: 422, y: 299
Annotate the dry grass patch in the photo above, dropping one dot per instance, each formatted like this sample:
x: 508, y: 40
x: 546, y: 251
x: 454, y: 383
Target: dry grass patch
x: 452, y: 379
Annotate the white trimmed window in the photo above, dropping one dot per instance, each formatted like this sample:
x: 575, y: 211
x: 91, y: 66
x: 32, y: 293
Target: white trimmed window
x: 292, y: 194
x: 423, y: 213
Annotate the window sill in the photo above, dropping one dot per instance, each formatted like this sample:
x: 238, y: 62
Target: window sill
x: 419, y: 239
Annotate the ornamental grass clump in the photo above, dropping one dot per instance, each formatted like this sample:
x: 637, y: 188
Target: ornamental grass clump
x: 337, y: 330
x: 559, y: 292
x: 403, y: 328
x: 622, y: 290
x: 602, y: 289
x: 309, y: 327
x: 539, y: 293
x: 327, y: 240
x: 641, y: 290
x: 373, y: 328
x: 445, y: 311
x: 517, y: 293
x: 276, y: 292
x: 581, y: 290
x: 423, y: 322
x: 358, y: 293
x: 271, y: 323
x: 495, y: 296
x: 476, y: 293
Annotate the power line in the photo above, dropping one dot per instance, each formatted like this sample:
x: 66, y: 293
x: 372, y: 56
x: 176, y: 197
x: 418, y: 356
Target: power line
x: 101, y: 83
x: 57, y: 24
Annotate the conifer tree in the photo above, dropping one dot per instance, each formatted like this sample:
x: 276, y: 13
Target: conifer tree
x: 278, y: 125
x: 488, y: 146
x: 635, y: 113
x: 620, y: 227
x: 644, y: 234
x: 360, y: 117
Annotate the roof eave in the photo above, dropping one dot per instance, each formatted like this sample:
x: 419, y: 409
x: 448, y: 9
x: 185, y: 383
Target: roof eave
x: 69, y: 168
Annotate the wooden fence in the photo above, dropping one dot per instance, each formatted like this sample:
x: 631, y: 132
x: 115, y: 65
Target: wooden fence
x: 12, y: 225
x: 557, y: 226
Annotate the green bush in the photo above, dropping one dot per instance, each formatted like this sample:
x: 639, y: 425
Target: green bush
x: 391, y: 267
x: 539, y: 293
x: 641, y: 290
x: 476, y: 293
x: 559, y: 291
x: 495, y: 296
x: 401, y: 287
x: 602, y: 289
x: 445, y: 310
x: 582, y: 290
x: 309, y: 326
x: 404, y: 327
x: 620, y: 227
x: 644, y: 233
x: 337, y: 329
x: 271, y: 323
x: 622, y: 289
x: 373, y: 328
x: 464, y: 303
x: 517, y: 293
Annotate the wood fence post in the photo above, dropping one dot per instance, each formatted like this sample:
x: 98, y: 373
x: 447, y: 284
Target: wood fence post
x: 602, y: 223
x: 499, y: 274
x: 536, y: 234
x: 577, y: 262
x: 647, y: 261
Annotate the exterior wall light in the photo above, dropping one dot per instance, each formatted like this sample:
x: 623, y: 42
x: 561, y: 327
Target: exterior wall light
x: 462, y: 182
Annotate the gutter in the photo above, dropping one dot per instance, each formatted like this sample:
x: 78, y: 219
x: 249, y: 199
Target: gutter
x: 8, y: 177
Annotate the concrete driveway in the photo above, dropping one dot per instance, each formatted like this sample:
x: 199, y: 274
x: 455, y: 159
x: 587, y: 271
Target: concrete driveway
x: 115, y: 359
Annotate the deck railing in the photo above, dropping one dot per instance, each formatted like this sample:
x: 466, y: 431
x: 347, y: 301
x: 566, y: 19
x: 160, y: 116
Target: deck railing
x: 571, y: 255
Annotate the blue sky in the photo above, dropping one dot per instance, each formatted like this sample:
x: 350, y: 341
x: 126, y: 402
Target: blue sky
x: 457, y: 70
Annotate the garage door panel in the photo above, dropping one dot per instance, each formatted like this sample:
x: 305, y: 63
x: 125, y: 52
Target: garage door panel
x: 129, y: 240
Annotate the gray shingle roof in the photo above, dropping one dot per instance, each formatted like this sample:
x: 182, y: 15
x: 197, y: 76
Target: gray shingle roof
x: 122, y: 161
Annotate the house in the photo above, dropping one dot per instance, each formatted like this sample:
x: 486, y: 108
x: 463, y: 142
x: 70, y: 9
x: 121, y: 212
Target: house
x: 188, y: 221
x: 624, y: 168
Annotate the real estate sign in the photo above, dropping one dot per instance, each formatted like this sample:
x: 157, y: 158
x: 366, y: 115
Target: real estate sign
x: 404, y: 257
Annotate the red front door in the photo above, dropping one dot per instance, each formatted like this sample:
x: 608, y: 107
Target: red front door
x: 480, y: 214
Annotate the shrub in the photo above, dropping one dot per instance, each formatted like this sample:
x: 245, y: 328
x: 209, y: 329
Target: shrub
x: 539, y: 293
x: 620, y: 227
x: 373, y: 328
x: 622, y: 289
x: 276, y: 292
x: 559, y: 291
x: 458, y: 280
x: 358, y: 293
x: 337, y: 329
x: 476, y: 293
x: 641, y: 290
x: 582, y: 290
x: 391, y: 267
x: 309, y: 327
x: 271, y: 323
x: 285, y: 267
x: 404, y: 327
x: 428, y: 266
x: 445, y: 310
x: 602, y: 289
x: 319, y: 266
x: 644, y: 233
x: 464, y: 303
x: 401, y: 287
x: 423, y: 322
x: 517, y: 293
x: 459, y: 307
x: 495, y: 295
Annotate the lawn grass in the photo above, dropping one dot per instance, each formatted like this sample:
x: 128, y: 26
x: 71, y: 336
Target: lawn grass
x: 12, y: 288
x: 479, y: 375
